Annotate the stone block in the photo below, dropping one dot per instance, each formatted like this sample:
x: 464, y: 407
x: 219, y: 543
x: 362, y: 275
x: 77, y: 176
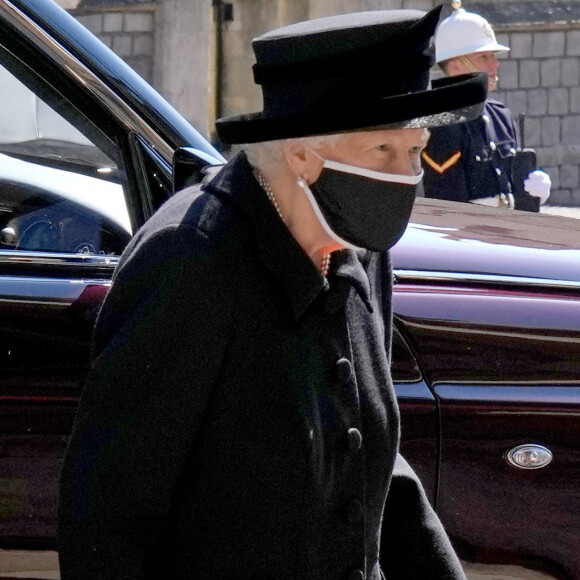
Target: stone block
x: 537, y: 102
x: 516, y: 102
x: 234, y: 45
x: 68, y: 4
x: 138, y: 22
x: 415, y: 4
x: 554, y: 173
x: 238, y: 81
x: 520, y: 45
x: 547, y: 44
x: 558, y: 102
x: 561, y: 197
x: 234, y: 26
x: 113, y: 22
x: 143, y: 67
x: 575, y: 100
x: 571, y: 130
x: 529, y: 74
x: 232, y: 105
x: 503, y: 38
x: 499, y: 96
x: 573, y: 43
x: 143, y: 45
x: 122, y: 45
x: 508, y: 74
x: 569, y: 176
x: 550, y: 131
x: 533, y: 132
x: 551, y: 72
x: 106, y: 39
x: 94, y: 22
x: 571, y: 72
x: 559, y: 154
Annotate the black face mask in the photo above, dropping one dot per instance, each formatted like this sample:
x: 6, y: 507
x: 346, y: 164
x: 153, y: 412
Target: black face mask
x: 360, y: 208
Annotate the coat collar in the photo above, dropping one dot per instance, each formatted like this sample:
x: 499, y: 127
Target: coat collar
x: 278, y: 249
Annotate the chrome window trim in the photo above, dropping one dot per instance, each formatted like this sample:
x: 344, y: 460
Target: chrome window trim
x: 94, y: 85
x: 19, y: 257
x: 61, y: 292
x: 410, y: 276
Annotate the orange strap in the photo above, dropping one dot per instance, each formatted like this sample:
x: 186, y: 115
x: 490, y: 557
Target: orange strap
x: 444, y: 166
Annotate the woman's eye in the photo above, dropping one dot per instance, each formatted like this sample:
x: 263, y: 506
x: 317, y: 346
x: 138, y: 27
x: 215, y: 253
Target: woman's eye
x: 382, y: 147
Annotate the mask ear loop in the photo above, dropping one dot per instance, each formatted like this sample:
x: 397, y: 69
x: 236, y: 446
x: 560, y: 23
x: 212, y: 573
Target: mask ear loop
x: 301, y: 181
x: 303, y: 184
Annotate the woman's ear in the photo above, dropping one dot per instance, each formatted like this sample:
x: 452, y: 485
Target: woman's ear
x: 302, y: 161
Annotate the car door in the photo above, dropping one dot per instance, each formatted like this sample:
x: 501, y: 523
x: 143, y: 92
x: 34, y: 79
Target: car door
x: 501, y: 357
x: 81, y: 168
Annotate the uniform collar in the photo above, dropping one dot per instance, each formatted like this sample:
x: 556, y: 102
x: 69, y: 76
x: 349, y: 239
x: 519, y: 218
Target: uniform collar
x: 278, y: 249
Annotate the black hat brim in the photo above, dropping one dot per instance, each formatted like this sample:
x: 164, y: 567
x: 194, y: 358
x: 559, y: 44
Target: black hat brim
x: 450, y: 100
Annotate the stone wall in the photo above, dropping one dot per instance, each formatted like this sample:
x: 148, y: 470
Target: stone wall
x: 168, y: 42
x: 129, y: 29
x: 540, y: 78
x: 541, y: 81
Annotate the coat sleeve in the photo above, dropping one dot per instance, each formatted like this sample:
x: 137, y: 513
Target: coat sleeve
x: 413, y: 541
x: 160, y: 340
x: 444, y: 163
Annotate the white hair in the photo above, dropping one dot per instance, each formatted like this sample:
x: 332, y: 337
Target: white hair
x: 270, y: 154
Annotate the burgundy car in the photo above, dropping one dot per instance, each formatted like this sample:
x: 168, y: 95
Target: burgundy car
x: 487, y: 306
x: 487, y: 369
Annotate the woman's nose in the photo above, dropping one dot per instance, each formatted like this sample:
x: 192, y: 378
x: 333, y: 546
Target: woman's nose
x: 407, y: 164
x: 416, y: 164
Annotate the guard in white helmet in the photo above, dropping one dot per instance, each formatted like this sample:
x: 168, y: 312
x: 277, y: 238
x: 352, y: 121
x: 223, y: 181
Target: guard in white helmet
x: 479, y: 161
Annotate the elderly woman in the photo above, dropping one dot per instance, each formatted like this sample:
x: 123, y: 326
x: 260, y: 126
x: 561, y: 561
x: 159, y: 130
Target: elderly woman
x: 239, y: 420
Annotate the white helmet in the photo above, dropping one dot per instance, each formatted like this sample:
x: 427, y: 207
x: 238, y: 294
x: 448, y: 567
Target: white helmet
x: 463, y: 33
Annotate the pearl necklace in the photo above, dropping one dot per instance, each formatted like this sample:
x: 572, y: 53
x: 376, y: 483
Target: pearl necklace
x: 325, y: 263
x: 266, y: 187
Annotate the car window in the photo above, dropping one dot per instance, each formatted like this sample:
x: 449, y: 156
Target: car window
x: 59, y: 191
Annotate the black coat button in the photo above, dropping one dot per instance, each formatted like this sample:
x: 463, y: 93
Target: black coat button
x: 354, y: 511
x: 354, y: 439
x: 343, y: 370
x: 356, y: 575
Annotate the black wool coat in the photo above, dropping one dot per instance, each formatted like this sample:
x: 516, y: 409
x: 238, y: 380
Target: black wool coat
x: 239, y: 420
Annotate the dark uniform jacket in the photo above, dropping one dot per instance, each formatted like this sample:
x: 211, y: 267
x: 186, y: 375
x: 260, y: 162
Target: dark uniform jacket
x: 477, y: 159
x: 239, y: 420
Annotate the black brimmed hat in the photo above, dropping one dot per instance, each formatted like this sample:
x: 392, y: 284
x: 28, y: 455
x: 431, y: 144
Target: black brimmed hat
x: 357, y: 71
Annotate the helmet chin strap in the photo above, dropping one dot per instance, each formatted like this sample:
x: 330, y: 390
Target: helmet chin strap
x: 473, y: 68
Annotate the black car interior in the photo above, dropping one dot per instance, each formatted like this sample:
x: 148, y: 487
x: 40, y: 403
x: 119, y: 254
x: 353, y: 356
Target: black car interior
x: 35, y: 218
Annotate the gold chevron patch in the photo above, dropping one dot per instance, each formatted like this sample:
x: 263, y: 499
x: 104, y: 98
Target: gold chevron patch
x: 444, y: 166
